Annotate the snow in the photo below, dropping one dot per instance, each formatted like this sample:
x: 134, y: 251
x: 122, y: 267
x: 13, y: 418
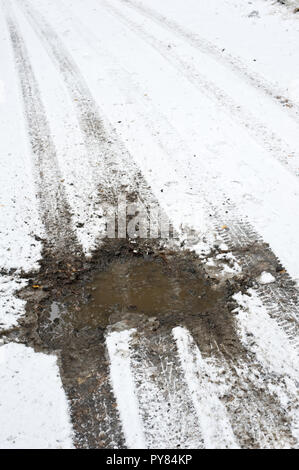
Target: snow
x: 293, y: 90
x: 19, y: 220
x: 271, y: 344
x: 227, y: 25
x: 2, y: 92
x: 118, y: 345
x: 263, y: 336
x: 213, y: 420
x: 167, y: 113
x: 165, y: 406
x: 33, y: 406
x: 11, y: 308
x: 266, y: 278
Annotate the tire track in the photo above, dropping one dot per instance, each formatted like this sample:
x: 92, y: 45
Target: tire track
x: 153, y: 401
x: 239, y: 387
x: 271, y: 142
x: 85, y: 377
x: 281, y: 299
x: 114, y: 169
x: 213, y: 419
x: 181, y: 398
x: 230, y: 61
x: 256, y: 413
x: 269, y: 347
x: 167, y: 411
x: 54, y: 208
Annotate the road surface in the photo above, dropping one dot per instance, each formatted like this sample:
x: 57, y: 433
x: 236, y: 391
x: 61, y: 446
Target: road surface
x: 192, y: 109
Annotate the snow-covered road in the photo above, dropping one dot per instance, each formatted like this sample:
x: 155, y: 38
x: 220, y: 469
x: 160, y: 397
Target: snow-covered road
x: 193, y: 106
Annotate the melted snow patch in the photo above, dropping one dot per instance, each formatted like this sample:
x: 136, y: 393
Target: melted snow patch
x: 223, y: 265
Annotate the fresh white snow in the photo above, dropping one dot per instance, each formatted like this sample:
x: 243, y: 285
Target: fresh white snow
x: 33, y: 406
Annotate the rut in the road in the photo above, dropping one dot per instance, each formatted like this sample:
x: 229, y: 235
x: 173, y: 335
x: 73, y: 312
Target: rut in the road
x: 54, y: 208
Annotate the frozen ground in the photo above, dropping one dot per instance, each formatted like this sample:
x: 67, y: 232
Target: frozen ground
x: 192, y: 104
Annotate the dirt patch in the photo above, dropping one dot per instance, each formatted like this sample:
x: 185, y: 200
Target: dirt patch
x: 153, y: 287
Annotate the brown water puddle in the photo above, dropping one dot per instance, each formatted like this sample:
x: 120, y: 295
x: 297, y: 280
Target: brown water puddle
x: 136, y: 285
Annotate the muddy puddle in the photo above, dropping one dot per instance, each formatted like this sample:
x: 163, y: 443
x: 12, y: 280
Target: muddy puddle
x: 152, y: 290
x: 170, y: 291
x: 173, y: 287
x: 144, y: 287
